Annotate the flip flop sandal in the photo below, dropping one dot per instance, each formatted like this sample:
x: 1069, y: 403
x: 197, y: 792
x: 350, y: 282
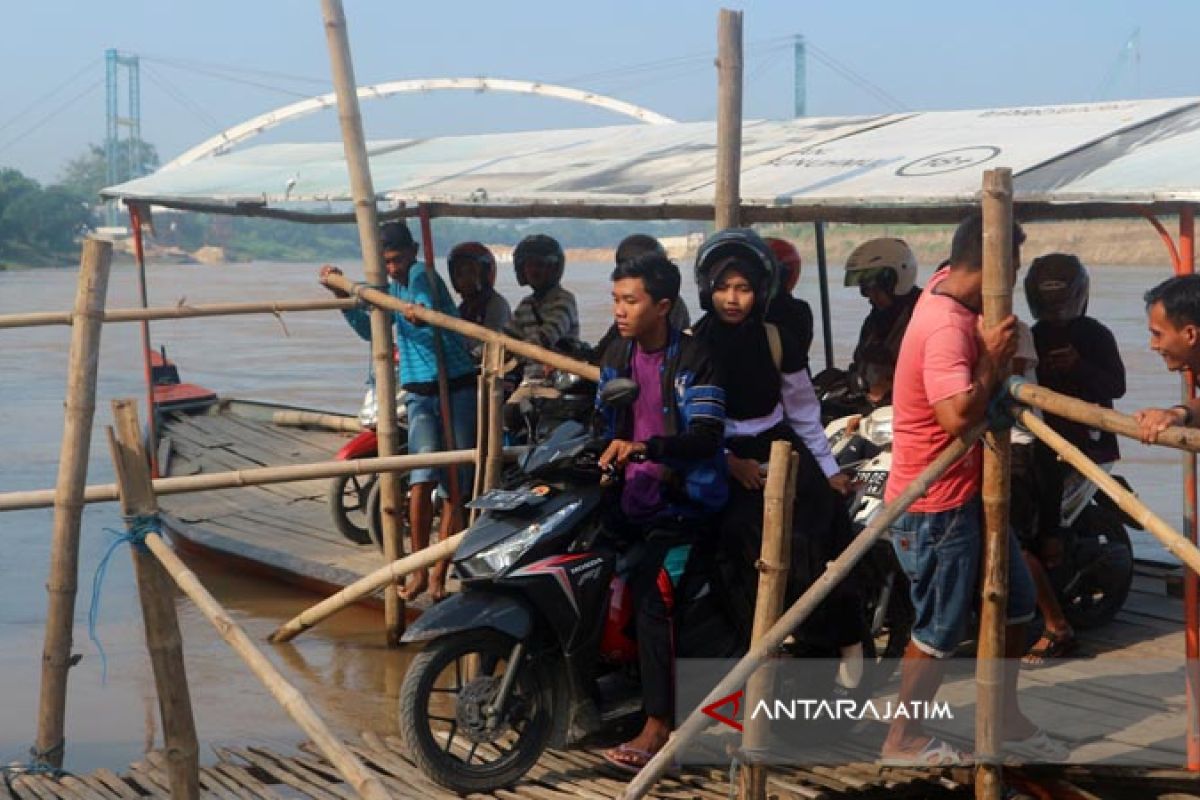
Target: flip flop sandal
x: 1037, y: 748
x: 627, y: 759
x: 936, y: 753
x: 1058, y: 645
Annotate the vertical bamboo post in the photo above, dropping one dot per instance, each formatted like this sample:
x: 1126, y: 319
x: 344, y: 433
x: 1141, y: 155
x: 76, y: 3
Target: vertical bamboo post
x: 363, y: 781
x: 1191, y: 587
x: 82, y: 364
x: 990, y: 666
x: 136, y: 219
x: 365, y: 213
x: 727, y: 202
x: 156, y: 593
x: 481, y: 433
x: 493, y: 360
x: 772, y: 589
x: 439, y: 348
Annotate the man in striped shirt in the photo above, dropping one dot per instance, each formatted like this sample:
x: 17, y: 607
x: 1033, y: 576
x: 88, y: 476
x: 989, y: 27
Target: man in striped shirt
x: 548, y: 316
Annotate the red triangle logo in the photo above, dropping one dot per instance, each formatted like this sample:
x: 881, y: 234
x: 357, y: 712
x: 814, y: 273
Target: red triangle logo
x: 735, y: 700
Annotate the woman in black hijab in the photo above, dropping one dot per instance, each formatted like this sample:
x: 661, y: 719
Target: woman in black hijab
x: 769, y: 397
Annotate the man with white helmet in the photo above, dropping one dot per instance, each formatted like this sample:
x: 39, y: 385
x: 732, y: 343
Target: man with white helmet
x: 885, y: 272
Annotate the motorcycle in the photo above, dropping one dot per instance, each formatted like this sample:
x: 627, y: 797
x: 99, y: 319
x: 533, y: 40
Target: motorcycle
x: 1091, y: 583
x: 534, y: 651
x: 348, y: 496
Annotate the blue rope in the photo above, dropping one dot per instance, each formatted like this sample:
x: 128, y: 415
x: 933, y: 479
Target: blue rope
x: 38, y: 764
x: 135, y: 534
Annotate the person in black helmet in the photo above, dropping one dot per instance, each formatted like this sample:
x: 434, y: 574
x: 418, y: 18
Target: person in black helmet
x: 1078, y: 357
x: 473, y: 274
x: 548, y: 316
x: 632, y: 246
x: 769, y: 397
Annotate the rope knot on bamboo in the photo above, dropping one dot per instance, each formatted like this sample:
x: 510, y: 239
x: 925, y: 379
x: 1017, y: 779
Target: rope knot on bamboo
x: 137, y: 528
x: 40, y: 763
x: 1000, y: 413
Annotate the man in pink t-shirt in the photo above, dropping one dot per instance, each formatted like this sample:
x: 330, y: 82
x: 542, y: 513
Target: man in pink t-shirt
x: 949, y: 368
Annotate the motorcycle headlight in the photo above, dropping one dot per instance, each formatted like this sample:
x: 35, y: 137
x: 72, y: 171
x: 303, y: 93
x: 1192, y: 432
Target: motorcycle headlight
x: 504, y: 554
x: 876, y: 428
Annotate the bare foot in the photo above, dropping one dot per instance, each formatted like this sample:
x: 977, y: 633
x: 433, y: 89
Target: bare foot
x: 437, y: 581
x: 414, y: 585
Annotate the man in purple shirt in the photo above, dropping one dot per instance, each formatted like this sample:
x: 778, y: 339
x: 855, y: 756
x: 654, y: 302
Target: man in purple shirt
x: 668, y: 442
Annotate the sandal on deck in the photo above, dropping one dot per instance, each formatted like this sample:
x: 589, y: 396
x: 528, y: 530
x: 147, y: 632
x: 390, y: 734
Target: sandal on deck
x: 627, y: 759
x: 936, y: 753
x: 1038, y: 748
x: 1057, y: 645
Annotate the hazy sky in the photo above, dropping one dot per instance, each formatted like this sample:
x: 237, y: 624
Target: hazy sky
x: 211, y: 64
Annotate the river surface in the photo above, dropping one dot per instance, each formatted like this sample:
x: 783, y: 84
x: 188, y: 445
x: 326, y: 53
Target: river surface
x: 309, y: 359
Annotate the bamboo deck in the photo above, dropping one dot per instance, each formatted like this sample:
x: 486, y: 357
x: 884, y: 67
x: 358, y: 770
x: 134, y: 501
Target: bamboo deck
x: 240, y: 773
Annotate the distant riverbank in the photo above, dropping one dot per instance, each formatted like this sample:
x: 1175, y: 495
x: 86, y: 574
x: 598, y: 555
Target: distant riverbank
x: 1125, y: 242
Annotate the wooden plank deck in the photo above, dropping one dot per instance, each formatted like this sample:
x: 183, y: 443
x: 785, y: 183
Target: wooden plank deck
x: 281, y: 530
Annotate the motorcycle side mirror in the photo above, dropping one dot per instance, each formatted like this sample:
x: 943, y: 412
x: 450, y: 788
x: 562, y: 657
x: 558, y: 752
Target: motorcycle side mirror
x: 619, y: 393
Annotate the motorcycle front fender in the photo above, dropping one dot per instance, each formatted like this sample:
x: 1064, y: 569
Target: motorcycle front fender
x: 363, y: 445
x: 470, y: 610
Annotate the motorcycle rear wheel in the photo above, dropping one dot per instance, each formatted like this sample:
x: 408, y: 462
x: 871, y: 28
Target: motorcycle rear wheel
x: 1092, y: 604
x: 450, y: 683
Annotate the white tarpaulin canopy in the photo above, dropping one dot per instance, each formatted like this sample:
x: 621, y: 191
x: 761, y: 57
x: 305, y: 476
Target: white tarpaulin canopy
x: 1073, y: 160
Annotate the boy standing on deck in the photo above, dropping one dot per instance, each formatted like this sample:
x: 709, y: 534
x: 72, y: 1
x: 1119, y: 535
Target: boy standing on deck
x: 409, y: 281
x: 946, y: 374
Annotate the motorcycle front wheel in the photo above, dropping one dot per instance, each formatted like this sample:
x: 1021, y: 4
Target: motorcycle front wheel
x: 444, y: 720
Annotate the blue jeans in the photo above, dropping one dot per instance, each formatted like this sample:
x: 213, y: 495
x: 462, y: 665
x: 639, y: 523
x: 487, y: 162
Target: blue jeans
x: 940, y: 554
x: 425, y: 435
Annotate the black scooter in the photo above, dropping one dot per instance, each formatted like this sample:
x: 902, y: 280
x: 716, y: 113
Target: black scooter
x: 534, y: 650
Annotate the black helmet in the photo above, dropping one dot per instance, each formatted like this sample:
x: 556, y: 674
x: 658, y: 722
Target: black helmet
x: 1056, y: 288
x: 637, y: 244
x: 753, y: 255
x: 540, y: 246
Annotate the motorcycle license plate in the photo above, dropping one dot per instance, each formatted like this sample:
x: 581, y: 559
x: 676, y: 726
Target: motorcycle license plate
x: 510, y: 499
x: 872, y: 482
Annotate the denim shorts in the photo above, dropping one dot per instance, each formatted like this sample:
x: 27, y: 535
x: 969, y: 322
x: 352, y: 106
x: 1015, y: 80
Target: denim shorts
x: 940, y: 553
x: 425, y: 435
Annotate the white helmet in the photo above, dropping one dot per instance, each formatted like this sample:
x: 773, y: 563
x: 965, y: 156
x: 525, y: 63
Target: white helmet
x: 887, y: 263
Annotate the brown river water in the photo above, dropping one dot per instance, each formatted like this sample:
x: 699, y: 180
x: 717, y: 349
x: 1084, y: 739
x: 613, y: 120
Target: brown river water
x: 309, y: 359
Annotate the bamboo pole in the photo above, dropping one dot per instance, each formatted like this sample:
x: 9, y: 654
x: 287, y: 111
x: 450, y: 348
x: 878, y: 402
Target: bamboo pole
x: 1096, y: 416
x: 257, y: 476
x: 515, y: 346
x: 799, y: 611
x: 1173, y: 541
x: 997, y: 461
x: 727, y: 200
x: 1186, y: 265
x: 68, y: 498
x: 163, y: 640
x: 772, y: 589
x: 179, y: 311
x: 293, y: 702
x: 443, y: 379
x: 139, y: 256
x: 363, y: 587
x: 493, y: 360
x: 382, y: 342
x: 332, y: 422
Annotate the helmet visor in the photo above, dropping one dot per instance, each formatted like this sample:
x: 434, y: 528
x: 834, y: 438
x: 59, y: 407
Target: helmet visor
x: 866, y: 277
